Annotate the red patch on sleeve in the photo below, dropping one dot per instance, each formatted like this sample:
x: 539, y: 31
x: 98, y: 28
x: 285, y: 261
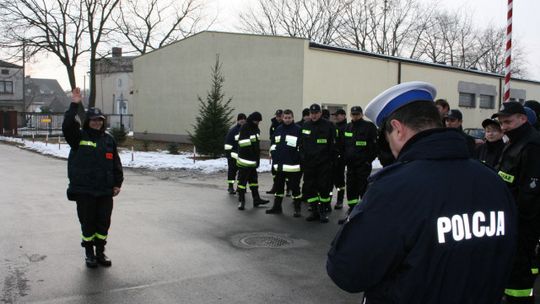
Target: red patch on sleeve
x: 108, y: 155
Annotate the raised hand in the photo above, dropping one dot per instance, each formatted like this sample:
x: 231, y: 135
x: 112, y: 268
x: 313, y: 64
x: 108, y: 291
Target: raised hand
x: 76, y: 95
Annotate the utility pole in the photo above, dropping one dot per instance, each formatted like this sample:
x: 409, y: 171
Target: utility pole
x: 24, y: 77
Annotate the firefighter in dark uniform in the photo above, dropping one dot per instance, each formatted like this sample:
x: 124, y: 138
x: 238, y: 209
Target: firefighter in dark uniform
x: 339, y: 163
x: 275, y: 122
x: 231, y: 148
x: 360, y: 149
x: 286, y: 163
x: 519, y: 168
x: 248, y: 161
x: 317, y: 152
x: 409, y: 241
x: 95, y: 176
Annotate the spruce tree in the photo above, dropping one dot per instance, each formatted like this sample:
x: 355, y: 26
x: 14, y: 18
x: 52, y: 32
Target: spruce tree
x: 215, y: 117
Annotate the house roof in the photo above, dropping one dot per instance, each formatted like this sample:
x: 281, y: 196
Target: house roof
x: 47, y: 92
x: 6, y: 64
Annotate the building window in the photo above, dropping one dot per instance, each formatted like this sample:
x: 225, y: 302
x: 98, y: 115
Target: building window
x: 487, y: 101
x: 466, y: 100
x: 6, y: 87
x: 5, y: 72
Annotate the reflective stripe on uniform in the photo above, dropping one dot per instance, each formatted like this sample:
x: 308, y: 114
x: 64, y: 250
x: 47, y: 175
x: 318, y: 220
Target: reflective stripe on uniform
x: 253, y: 138
x: 244, y: 143
x: 253, y: 185
x: 322, y: 140
x: 506, y: 177
x: 361, y: 143
x: 272, y: 148
x: 237, y: 137
x: 325, y: 200
x: 88, y: 239
x: 313, y: 199
x: 241, y: 187
x: 341, y: 189
x: 307, y: 132
x: 277, y: 138
x: 288, y: 168
x: 245, y: 163
x: 228, y: 147
x: 100, y: 236
x: 297, y: 197
x: 534, y: 270
x: 279, y: 195
x: 519, y: 293
x: 87, y: 143
x: 230, y: 181
x: 234, y: 155
x: 348, y: 134
x: 352, y: 202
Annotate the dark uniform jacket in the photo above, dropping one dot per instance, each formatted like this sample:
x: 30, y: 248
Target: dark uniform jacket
x: 248, y: 146
x: 317, y: 143
x: 231, y: 142
x: 284, y: 149
x: 360, y: 143
x: 339, y: 140
x: 490, y: 152
x: 420, y: 236
x: 94, y: 166
x: 519, y: 167
x: 273, y: 126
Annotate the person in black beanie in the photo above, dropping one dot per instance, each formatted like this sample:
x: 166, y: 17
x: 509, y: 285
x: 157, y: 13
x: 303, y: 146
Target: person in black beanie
x: 490, y: 151
x: 248, y: 161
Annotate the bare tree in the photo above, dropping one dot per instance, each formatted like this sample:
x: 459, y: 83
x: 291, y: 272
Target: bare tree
x: 98, y: 13
x: 317, y: 20
x: 56, y: 27
x: 152, y: 24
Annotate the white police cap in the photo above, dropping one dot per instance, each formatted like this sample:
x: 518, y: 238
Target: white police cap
x: 397, y: 96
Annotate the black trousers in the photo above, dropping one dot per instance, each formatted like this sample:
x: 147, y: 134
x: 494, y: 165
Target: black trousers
x: 519, y: 288
x: 293, y: 182
x: 232, y: 169
x: 318, y: 183
x: 339, y: 175
x: 95, y: 217
x: 357, y: 177
x: 247, y: 177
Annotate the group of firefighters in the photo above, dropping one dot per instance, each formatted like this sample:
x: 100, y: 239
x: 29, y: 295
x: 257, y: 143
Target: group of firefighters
x: 314, y: 148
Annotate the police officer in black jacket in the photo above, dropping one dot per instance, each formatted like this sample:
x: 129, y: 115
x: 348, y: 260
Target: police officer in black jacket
x: 360, y: 149
x: 317, y: 153
x: 454, y: 120
x: 248, y: 161
x: 286, y: 163
x: 519, y: 167
x: 339, y: 163
x: 409, y: 241
x: 231, y: 151
x: 95, y: 176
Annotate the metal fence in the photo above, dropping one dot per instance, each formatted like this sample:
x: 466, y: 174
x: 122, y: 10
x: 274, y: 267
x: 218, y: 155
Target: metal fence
x: 51, y: 123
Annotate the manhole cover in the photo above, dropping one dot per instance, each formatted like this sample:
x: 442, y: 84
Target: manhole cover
x: 266, y: 240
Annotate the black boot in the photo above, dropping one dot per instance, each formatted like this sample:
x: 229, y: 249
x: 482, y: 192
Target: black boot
x: 101, y: 258
x: 257, y: 200
x: 323, y: 207
x: 276, y: 208
x: 231, y: 189
x: 90, y: 256
x: 339, y: 202
x: 297, y: 207
x: 241, y: 200
x: 314, y: 216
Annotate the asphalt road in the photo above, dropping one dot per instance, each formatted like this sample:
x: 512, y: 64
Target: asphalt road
x: 172, y: 240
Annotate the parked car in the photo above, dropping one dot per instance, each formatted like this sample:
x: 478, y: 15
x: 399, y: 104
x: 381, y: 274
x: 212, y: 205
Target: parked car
x: 475, y: 132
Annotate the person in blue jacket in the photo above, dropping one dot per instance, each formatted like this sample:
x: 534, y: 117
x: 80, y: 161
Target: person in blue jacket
x: 412, y: 240
x: 286, y: 163
x: 231, y: 148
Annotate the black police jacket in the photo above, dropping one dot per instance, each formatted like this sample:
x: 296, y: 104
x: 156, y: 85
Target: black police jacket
x: 360, y: 143
x: 420, y: 236
x: 317, y: 143
x: 490, y: 152
x: 273, y: 126
x: 231, y: 142
x: 519, y: 167
x: 249, y: 146
x: 284, y: 148
x: 94, y: 166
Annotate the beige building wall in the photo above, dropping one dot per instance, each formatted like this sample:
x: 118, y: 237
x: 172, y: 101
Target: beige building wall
x: 532, y: 88
x: 261, y: 74
x: 338, y: 78
x: 110, y: 87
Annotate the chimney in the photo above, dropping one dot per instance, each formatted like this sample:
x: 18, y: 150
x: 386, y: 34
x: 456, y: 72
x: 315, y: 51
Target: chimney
x: 116, y: 52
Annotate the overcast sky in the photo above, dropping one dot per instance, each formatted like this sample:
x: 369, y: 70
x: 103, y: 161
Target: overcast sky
x: 526, y: 29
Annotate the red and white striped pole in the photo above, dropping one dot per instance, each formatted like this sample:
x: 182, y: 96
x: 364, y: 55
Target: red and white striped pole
x: 508, y: 54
